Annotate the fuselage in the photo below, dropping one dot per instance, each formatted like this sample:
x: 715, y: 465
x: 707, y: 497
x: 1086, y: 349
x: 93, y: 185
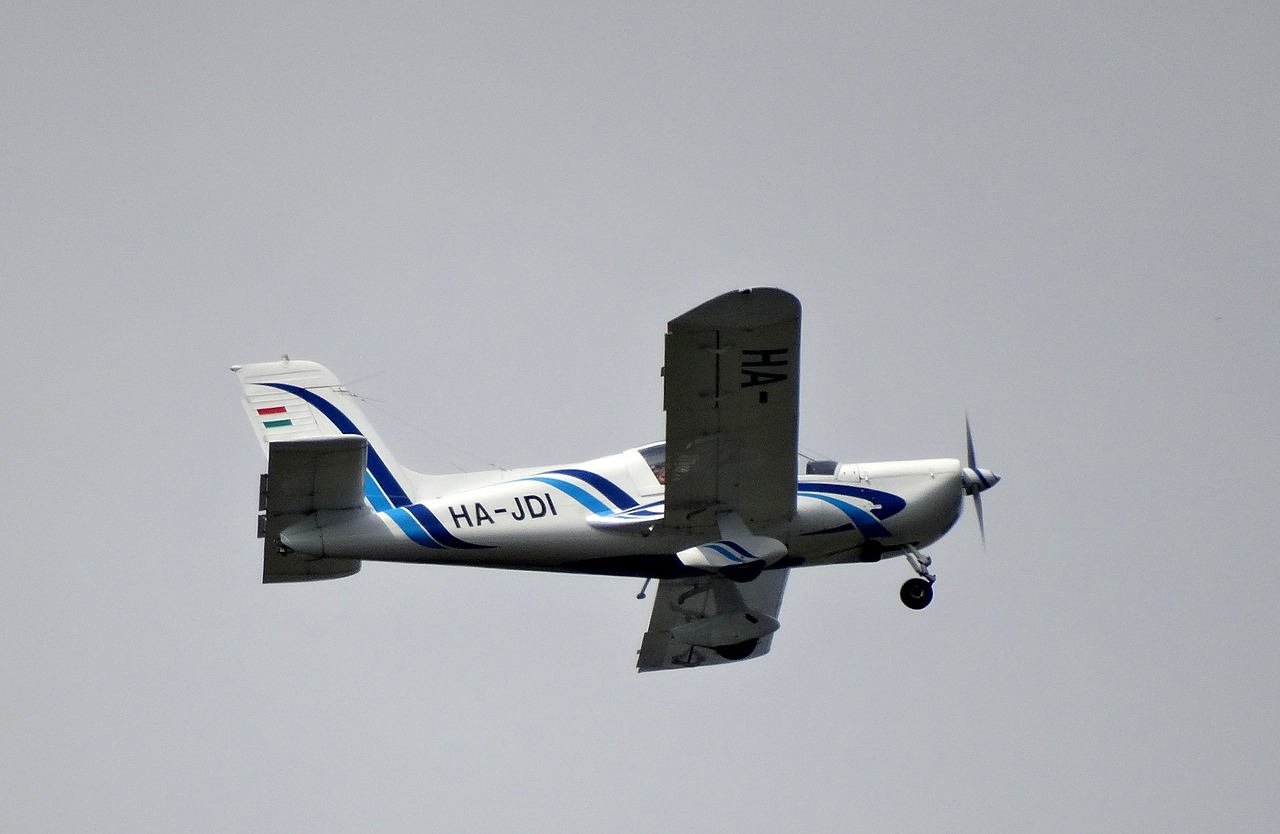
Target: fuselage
x: 604, y: 516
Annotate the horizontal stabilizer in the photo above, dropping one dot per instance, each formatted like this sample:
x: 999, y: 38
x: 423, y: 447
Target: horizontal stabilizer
x: 306, y: 476
x: 321, y: 473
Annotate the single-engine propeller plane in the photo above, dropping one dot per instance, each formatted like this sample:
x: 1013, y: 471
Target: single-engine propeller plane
x: 718, y: 513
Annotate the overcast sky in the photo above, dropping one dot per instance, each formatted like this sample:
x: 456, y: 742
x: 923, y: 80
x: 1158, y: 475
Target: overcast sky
x: 1061, y: 220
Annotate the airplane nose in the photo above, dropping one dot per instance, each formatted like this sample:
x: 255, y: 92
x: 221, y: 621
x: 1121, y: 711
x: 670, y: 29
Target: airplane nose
x: 978, y: 480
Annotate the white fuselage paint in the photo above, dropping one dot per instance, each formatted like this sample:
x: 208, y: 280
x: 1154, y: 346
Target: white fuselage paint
x: 576, y: 518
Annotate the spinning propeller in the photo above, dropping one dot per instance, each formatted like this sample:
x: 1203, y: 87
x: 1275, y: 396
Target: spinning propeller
x: 976, y: 480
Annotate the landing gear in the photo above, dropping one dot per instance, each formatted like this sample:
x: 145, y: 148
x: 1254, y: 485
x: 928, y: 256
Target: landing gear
x: 737, y: 651
x: 744, y: 573
x: 918, y: 592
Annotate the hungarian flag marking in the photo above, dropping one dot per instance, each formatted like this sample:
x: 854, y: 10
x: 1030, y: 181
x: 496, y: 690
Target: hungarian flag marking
x: 273, y: 410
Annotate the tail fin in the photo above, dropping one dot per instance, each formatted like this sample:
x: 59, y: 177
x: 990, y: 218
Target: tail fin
x: 296, y: 400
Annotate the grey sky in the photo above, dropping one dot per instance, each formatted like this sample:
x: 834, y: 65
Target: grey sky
x: 1063, y: 220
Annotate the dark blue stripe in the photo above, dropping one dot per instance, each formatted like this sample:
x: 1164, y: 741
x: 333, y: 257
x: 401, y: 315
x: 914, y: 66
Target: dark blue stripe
x: 577, y: 493
x: 723, y: 551
x: 739, y: 548
x: 395, y: 494
x: 863, y: 520
x: 381, y: 488
x: 890, y: 504
x: 651, y: 510
x: 433, y: 526
x: 606, y: 487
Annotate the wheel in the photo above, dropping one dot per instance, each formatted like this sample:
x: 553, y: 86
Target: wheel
x: 916, y: 593
x: 744, y: 573
x: 737, y: 651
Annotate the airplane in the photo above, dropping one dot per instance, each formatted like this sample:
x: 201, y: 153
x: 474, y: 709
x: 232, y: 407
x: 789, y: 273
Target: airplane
x: 718, y: 513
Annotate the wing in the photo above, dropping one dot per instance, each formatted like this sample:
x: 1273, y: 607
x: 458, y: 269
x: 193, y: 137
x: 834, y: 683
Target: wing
x: 711, y: 619
x: 731, y: 394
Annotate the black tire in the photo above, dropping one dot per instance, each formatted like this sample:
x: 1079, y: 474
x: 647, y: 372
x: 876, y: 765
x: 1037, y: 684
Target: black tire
x: 737, y: 651
x: 743, y: 573
x: 916, y: 593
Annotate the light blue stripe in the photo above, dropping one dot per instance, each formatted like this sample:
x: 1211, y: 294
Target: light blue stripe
x: 577, y: 493
x: 411, y: 528
x: 374, y: 494
x: 606, y: 487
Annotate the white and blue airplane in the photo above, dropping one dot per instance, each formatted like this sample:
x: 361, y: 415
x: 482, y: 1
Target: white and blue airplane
x: 718, y: 513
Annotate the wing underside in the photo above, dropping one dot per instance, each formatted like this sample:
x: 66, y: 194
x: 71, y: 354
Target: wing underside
x: 731, y: 393
x: 692, y: 619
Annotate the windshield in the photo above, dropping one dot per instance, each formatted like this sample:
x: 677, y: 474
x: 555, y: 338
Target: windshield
x: 655, y: 454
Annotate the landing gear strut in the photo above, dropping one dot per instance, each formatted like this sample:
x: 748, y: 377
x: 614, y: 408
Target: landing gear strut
x: 917, y: 592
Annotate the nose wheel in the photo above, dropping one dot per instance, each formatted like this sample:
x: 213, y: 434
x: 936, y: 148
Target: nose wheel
x: 917, y: 592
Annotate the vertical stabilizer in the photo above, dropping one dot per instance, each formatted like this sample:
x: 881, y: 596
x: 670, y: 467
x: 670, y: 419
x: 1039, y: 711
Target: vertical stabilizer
x: 293, y: 399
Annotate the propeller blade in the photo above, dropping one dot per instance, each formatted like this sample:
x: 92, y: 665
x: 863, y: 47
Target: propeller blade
x: 982, y: 528
x: 968, y: 436
x: 977, y: 480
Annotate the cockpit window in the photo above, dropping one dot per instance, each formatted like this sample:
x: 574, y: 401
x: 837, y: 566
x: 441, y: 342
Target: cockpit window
x: 655, y: 454
x: 820, y: 467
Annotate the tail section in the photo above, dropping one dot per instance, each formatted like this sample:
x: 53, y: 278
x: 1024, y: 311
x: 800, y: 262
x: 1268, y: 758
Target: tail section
x: 324, y: 464
x: 299, y: 400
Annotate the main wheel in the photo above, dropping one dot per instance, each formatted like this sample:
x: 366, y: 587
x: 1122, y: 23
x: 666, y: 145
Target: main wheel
x: 916, y: 593
x: 744, y: 573
x: 737, y: 651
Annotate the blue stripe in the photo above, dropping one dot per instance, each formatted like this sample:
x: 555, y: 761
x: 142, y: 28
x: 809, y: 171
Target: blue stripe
x: 866, y: 523
x: 436, y: 530
x: 374, y: 494
x: 391, y: 489
x: 740, y: 549
x: 411, y: 528
x: 723, y: 551
x: 381, y: 488
x: 606, y: 487
x: 577, y: 493
x: 650, y: 510
x: 890, y: 504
